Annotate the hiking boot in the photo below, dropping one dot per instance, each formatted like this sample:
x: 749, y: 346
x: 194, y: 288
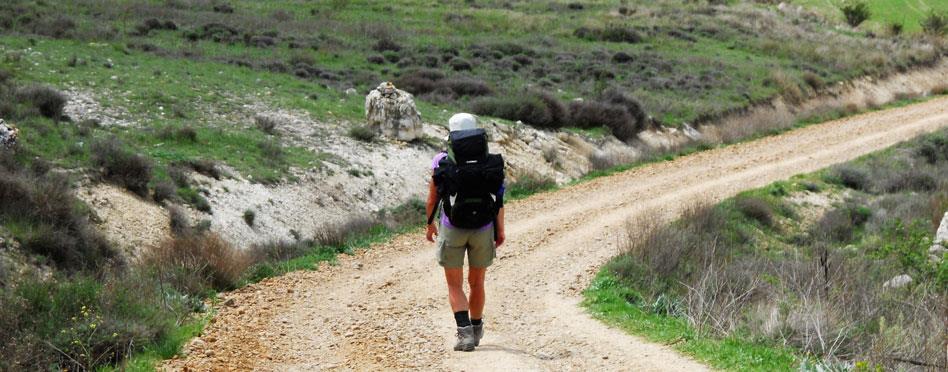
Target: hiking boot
x: 478, y: 334
x: 466, y: 340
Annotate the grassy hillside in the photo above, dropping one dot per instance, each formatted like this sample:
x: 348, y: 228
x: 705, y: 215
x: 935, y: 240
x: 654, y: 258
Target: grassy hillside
x: 683, y: 60
x: 798, y: 271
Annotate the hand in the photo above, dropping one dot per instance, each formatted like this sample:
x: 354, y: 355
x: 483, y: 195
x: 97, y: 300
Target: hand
x: 500, y: 238
x: 432, y: 232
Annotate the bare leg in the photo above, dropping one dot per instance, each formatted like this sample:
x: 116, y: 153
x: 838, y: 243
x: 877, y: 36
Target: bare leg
x: 475, y: 279
x: 455, y: 277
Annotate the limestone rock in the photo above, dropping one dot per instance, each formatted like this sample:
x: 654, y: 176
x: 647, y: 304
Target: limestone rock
x: 8, y: 135
x: 898, y: 281
x: 941, y: 236
x: 392, y: 113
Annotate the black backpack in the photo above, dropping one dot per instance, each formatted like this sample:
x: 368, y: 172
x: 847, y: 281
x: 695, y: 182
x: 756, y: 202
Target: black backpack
x: 468, y: 180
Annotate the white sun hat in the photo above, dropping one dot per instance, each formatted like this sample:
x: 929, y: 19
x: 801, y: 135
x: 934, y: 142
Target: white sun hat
x: 462, y: 121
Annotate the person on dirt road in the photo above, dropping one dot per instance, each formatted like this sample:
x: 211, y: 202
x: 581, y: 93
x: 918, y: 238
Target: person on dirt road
x: 468, y: 184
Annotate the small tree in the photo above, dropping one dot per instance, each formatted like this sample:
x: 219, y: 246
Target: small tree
x: 856, y: 12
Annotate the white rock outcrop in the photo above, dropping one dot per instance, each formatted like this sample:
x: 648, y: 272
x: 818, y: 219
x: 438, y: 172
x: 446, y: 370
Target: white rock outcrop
x: 392, y: 113
x: 8, y: 135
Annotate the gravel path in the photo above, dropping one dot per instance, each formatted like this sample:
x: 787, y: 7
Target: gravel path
x: 386, y: 308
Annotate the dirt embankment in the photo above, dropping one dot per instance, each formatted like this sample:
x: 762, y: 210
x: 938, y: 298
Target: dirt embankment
x: 385, y: 307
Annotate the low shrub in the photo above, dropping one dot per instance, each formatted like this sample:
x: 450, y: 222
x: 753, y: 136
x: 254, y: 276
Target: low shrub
x: 195, y: 199
x: 613, y: 33
x: 386, y: 45
x: 592, y: 114
x: 419, y: 81
x: 183, y: 134
x: 622, y: 57
x: 538, y: 109
x: 851, y: 177
x: 178, y: 221
x: 179, y: 175
x: 466, y: 86
x: 198, y: 263
x: 59, y: 227
x: 363, y: 133
x: 164, y: 190
x: 756, y: 209
x: 813, y: 80
x: 375, y: 59
x: 249, y: 217
x: 272, y: 150
x: 267, y: 124
x: 121, y: 166
x: 206, y: 167
x: 48, y: 101
x: 895, y: 28
x: 855, y: 12
x: 935, y: 23
x: 460, y: 64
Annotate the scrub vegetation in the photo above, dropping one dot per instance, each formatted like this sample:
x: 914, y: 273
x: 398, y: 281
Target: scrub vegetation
x: 803, y: 270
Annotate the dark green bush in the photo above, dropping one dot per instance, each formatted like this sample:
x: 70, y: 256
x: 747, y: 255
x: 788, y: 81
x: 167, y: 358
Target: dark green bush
x: 855, y: 12
x: 935, y: 23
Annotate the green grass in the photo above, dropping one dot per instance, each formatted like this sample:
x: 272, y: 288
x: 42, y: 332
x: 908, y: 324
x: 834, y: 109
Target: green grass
x: 608, y: 301
x: 166, y: 348
x: 909, y: 13
x: 142, y: 87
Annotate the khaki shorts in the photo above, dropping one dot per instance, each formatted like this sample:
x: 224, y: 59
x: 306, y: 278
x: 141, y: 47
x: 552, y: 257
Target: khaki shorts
x: 477, y: 243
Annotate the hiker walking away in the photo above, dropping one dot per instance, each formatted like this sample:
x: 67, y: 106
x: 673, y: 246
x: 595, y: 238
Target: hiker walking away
x: 468, y: 185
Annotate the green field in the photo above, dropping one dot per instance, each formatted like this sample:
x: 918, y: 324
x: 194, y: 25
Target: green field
x: 908, y: 13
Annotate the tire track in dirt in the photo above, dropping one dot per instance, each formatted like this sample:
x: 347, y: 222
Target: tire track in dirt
x: 386, y: 307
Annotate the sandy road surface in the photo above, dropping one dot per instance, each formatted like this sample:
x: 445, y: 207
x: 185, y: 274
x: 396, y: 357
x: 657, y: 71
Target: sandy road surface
x: 386, y: 308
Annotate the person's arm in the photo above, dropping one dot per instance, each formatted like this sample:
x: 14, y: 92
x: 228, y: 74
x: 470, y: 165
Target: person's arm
x: 500, y: 227
x: 429, y: 208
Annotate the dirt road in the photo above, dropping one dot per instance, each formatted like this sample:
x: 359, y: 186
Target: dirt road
x: 387, y: 307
